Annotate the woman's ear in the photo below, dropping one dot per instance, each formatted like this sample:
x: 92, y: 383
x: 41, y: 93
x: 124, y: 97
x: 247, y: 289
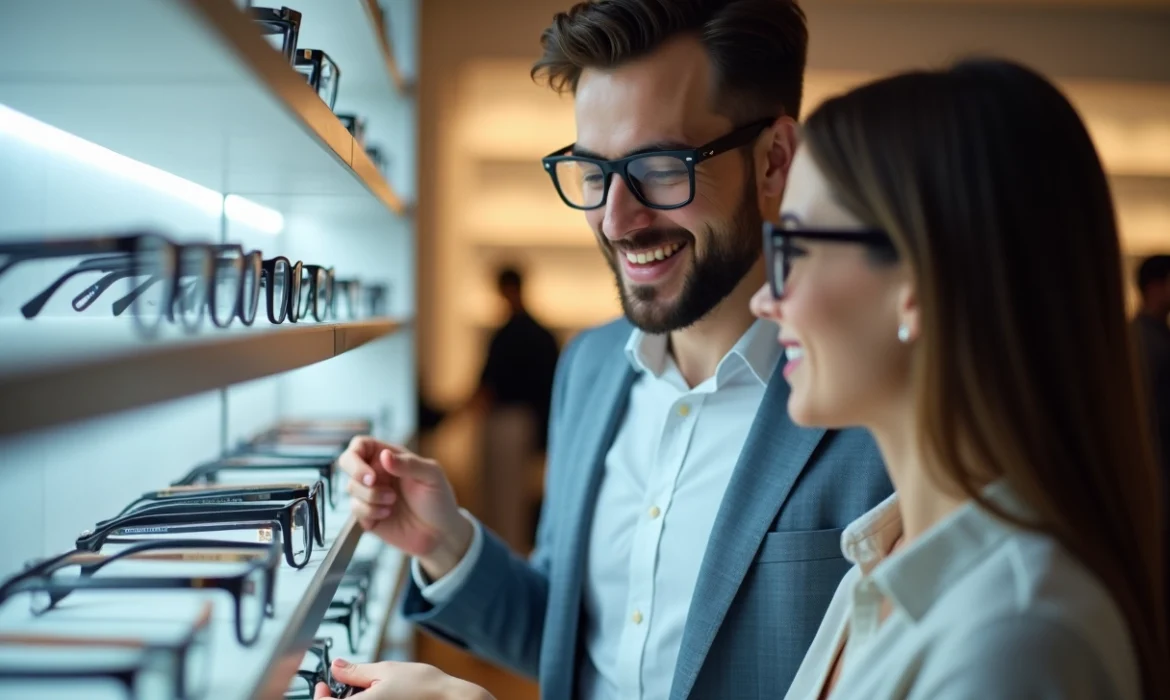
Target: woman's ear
x: 777, y: 159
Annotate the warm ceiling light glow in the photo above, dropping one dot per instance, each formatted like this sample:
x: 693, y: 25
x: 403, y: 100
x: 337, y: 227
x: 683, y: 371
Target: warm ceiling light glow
x: 50, y: 138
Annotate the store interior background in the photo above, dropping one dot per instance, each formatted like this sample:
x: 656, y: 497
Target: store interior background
x: 484, y: 200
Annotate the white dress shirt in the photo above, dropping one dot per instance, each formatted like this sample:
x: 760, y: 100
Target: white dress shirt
x: 978, y: 609
x: 665, y: 476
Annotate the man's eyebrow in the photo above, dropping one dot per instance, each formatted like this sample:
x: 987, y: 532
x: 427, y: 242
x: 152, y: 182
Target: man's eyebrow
x: 648, y: 148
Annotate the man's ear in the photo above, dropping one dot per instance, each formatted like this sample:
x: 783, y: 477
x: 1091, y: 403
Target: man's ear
x: 777, y: 158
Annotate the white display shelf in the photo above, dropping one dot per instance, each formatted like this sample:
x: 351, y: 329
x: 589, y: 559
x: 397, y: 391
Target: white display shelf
x: 191, y: 87
x: 47, y: 378
x: 260, y: 671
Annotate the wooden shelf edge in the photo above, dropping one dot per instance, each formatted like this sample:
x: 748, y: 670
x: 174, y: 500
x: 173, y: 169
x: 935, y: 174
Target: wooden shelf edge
x: 400, y: 83
x: 153, y: 374
x: 225, y: 19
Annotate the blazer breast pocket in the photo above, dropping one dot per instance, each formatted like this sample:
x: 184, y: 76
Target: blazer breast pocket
x: 804, y: 545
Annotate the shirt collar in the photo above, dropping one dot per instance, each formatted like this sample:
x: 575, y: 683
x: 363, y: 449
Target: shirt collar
x: 917, y: 576
x: 757, y: 349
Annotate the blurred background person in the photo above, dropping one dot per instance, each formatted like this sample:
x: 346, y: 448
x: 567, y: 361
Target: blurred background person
x: 513, y: 396
x: 1152, y: 334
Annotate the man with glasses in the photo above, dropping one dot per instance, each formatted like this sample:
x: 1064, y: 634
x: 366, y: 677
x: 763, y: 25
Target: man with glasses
x: 690, y: 538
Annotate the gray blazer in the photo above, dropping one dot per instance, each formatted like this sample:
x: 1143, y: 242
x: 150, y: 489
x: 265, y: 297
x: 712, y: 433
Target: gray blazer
x: 771, y: 566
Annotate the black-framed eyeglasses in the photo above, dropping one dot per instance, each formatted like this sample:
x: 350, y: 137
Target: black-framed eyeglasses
x: 281, y: 282
x: 50, y: 581
x: 377, y: 299
x: 780, y: 247
x: 179, y: 669
x: 347, y: 299
x: 315, y: 296
x: 321, y: 71
x: 379, y: 160
x: 293, y: 520
x: 659, y: 179
x: 304, y: 683
x: 324, y: 467
x: 351, y: 614
x: 355, y: 124
x: 151, y: 265
x: 280, y: 27
x: 195, y: 498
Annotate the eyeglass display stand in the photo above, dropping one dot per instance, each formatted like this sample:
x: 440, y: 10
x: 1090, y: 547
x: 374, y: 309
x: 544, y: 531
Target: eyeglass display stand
x: 89, y: 413
x: 264, y: 669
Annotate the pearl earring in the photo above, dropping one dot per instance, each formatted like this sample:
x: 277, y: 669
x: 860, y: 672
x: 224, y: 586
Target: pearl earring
x: 904, y: 333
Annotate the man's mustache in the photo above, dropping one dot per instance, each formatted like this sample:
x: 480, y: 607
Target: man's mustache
x: 649, y: 239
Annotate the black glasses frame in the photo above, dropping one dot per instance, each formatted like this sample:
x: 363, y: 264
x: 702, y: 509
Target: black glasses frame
x: 244, y: 459
x: 284, y: 21
x: 194, y: 499
x: 122, y: 256
x: 313, y: 64
x: 352, y: 614
x: 207, y: 519
x: 322, y: 674
x: 35, y: 578
x: 178, y: 653
x: 621, y: 167
x: 778, y: 246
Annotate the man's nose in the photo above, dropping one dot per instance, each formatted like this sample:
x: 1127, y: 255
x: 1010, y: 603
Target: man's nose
x: 623, y: 212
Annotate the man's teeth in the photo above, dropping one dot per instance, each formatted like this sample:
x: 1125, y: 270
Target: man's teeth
x: 654, y: 255
x: 794, y: 353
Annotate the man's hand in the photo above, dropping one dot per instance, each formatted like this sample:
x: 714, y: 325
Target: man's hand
x: 406, y: 501
x: 391, y: 680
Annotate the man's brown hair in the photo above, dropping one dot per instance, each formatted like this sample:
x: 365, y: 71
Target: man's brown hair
x: 757, y: 48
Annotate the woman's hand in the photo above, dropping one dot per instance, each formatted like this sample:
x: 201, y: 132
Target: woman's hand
x: 392, y: 680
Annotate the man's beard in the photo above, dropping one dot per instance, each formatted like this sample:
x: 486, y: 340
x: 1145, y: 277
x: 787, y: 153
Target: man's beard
x: 730, y: 254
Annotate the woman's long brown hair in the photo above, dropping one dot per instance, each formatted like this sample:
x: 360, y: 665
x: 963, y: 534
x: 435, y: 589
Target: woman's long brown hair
x: 988, y: 182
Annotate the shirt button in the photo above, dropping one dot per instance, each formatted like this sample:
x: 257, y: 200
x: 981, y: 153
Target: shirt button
x: 636, y: 618
x: 654, y: 512
x: 684, y: 410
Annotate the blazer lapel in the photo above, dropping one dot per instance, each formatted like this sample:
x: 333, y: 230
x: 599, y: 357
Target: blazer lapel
x: 608, y: 400
x: 774, y: 455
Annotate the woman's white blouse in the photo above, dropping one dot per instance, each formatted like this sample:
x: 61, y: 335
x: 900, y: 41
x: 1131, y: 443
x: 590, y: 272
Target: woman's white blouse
x: 979, y: 610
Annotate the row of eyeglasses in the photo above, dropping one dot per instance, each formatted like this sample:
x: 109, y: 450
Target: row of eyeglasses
x: 157, y: 279
x: 257, y: 521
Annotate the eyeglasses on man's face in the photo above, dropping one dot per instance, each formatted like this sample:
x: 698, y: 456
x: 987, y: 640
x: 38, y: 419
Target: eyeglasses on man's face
x: 659, y: 179
x: 50, y: 581
x: 782, y: 246
x: 179, y: 669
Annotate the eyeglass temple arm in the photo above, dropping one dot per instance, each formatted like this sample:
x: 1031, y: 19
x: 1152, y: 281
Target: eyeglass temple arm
x: 118, y: 267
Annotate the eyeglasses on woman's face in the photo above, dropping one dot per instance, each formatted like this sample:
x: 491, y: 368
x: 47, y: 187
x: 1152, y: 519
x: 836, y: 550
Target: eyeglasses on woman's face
x: 782, y: 246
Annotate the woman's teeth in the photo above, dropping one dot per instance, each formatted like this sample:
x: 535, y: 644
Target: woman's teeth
x: 654, y: 255
x: 793, y: 352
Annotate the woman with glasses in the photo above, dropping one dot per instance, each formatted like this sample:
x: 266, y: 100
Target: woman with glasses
x: 947, y: 274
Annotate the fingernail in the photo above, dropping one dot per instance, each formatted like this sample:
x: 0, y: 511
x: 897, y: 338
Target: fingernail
x: 368, y: 479
x: 341, y: 663
x: 381, y: 512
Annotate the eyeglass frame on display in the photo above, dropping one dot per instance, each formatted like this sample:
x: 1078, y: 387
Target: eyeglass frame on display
x: 323, y: 673
x: 128, y: 246
x: 194, y: 498
x: 316, y: 60
x: 180, y: 651
x: 207, y: 472
x: 35, y: 577
x: 276, y: 520
x: 689, y: 157
x: 285, y: 20
x: 346, y: 612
